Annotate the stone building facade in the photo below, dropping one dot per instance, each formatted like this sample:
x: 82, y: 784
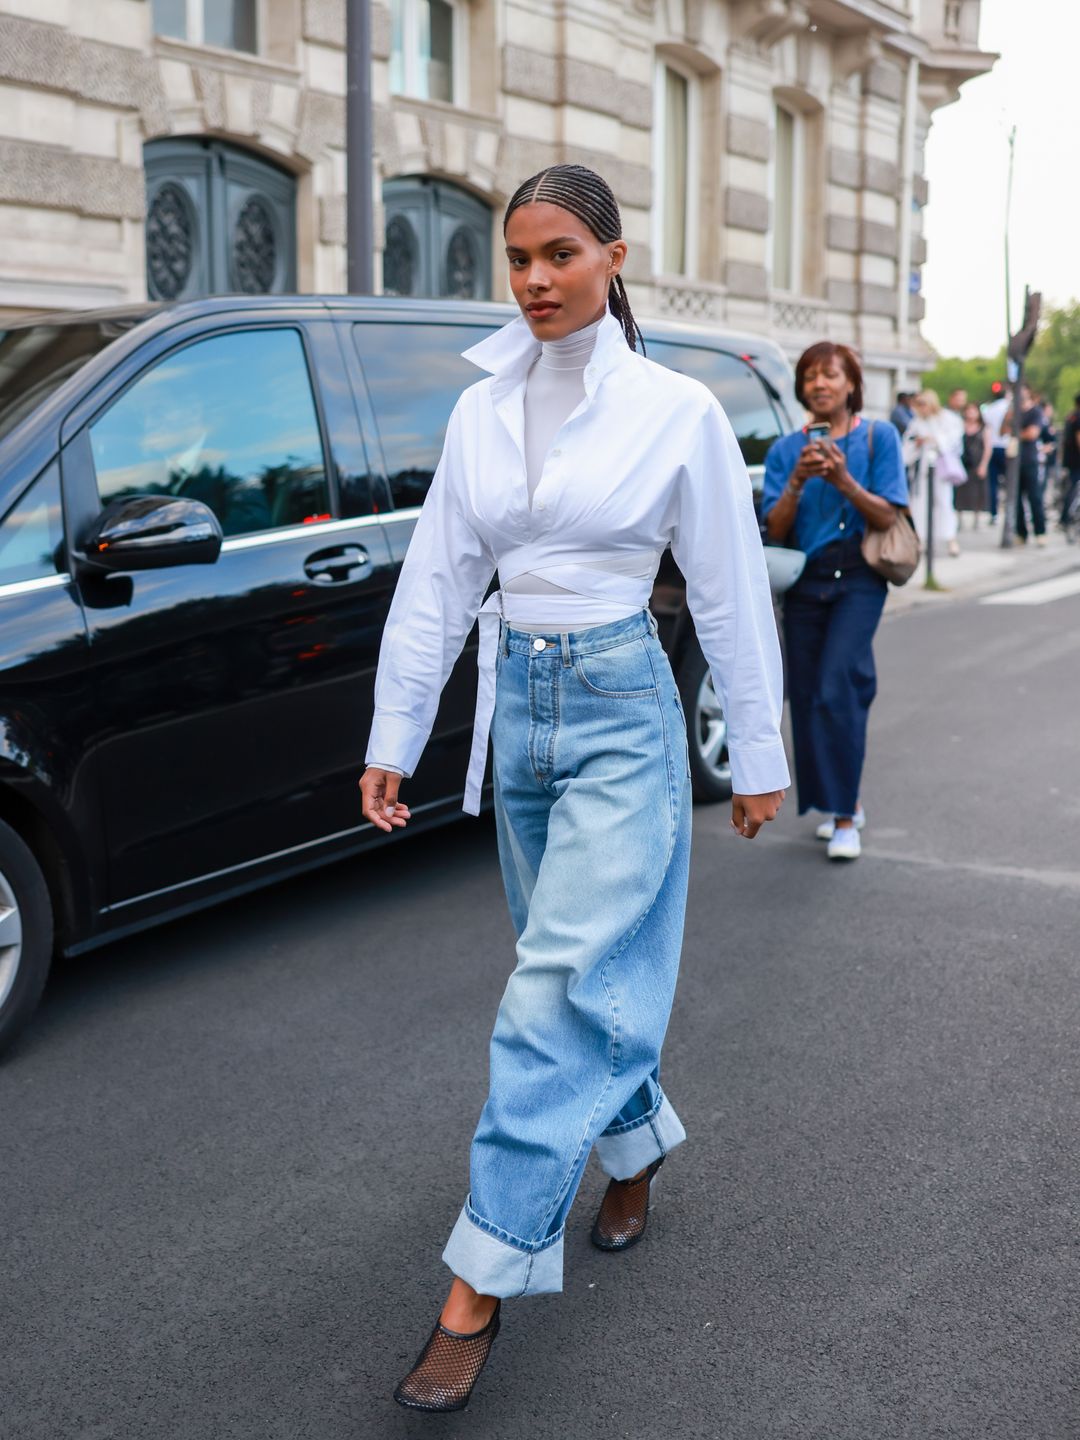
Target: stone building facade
x: 767, y: 154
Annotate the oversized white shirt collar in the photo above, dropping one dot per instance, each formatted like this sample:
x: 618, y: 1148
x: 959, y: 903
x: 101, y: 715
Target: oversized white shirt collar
x: 509, y: 354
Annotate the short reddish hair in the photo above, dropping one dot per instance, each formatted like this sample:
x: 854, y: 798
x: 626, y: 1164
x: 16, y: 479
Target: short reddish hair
x: 821, y: 354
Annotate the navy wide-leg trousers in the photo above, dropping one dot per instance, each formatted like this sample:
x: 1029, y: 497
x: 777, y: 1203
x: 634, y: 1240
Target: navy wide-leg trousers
x: 830, y: 616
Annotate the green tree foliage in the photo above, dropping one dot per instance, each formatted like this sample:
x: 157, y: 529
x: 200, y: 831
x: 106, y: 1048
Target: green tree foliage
x: 1053, y: 367
x: 975, y: 376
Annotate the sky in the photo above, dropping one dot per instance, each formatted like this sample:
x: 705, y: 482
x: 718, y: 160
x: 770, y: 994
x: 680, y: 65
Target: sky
x: 1035, y: 86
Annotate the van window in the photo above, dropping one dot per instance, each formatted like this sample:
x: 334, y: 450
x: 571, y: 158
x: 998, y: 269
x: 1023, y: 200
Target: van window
x: 229, y: 420
x: 32, y: 532
x: 36, y: 359
x: 414, y: 375
x: 744, y: 398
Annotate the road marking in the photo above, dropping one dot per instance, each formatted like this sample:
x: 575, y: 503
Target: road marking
x: 1055, y: 879
x: 1041, y: 593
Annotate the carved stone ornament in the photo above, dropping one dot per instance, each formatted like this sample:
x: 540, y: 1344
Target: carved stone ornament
x: 767, y: 22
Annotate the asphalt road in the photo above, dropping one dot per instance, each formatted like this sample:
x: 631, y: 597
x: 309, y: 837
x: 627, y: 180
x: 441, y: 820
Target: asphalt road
x: 230, y: 1151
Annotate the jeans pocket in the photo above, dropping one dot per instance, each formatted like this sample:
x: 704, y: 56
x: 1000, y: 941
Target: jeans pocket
x: 624, y: 672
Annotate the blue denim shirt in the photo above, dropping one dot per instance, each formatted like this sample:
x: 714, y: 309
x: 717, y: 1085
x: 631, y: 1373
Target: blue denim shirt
x: 824, y: 516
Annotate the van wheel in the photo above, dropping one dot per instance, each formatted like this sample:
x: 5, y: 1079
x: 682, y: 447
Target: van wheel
x: 26, y: 934
x: 706, y: 728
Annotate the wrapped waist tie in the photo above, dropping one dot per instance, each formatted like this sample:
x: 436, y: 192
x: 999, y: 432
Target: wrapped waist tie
x: 623, y: 593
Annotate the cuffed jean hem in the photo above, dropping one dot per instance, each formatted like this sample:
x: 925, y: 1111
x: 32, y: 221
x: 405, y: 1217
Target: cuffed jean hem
x: 627, y: 1149
x: 495, y: 1263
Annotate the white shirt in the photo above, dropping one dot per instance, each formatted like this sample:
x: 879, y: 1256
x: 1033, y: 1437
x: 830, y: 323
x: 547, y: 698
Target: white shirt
x: 554, y: 389
x: 994, y: 415
x: 646, y: 460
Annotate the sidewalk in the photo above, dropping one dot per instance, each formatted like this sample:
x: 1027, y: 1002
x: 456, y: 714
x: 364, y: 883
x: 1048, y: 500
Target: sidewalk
x: 983, y: 566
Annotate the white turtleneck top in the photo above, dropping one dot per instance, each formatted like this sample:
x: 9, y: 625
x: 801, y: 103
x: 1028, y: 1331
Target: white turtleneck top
x: 553, y: 391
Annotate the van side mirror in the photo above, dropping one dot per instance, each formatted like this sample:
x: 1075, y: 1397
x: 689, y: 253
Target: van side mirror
x: 150, y: 532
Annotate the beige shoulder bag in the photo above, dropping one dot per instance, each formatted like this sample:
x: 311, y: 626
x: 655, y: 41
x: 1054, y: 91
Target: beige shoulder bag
x: 894, y: 553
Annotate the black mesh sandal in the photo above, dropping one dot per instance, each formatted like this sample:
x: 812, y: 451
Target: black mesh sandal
x: 624, y: 1211
x: 447, y: 1368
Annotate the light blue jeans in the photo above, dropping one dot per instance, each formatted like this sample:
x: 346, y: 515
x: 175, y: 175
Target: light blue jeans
x: 592, y: 798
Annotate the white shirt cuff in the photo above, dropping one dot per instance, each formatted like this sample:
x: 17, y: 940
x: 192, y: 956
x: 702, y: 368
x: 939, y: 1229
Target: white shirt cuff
x: 395, y: 740
x: 759, y: 769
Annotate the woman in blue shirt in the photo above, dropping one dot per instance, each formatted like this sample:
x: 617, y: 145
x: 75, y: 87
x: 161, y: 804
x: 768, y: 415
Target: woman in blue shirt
x: 821, y: 497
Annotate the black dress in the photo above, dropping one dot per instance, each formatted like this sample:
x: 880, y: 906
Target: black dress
x: 971, y: 495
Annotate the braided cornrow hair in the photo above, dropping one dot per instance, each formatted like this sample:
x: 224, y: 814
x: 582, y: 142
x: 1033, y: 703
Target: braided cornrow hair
x: 588, y: 196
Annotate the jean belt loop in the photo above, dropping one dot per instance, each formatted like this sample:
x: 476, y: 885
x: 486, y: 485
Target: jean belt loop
x: 504, y: 627
x: 565, y: 649
x: 654, y: 629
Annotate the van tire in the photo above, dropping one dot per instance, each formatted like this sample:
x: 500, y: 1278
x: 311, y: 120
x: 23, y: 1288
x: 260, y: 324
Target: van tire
x: 26, y: 934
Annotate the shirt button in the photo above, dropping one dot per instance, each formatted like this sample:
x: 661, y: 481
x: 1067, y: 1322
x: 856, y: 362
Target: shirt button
x: 836, y: 574
x: 842, y: 525
x: 556, y: 453
x: 539, y: 644
x: 540, y: 505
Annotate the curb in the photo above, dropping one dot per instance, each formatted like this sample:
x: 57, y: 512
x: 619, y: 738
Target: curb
x: 1000, y: 570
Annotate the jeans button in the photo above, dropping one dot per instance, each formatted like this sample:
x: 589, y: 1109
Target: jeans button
x: 836, y: 575
x: 539, y: 644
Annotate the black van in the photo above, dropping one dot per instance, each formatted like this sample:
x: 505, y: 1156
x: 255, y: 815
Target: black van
x: 204, y: 511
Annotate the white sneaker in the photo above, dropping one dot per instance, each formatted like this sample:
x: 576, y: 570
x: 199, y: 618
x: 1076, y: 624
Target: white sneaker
x: 827, y: 828
x: 845, y: 844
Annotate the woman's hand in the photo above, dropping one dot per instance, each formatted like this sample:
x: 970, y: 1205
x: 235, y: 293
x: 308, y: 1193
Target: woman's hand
x: 750, y: 812
x: 379, y: 796
x: 808, y: 464
x: 834, y: 466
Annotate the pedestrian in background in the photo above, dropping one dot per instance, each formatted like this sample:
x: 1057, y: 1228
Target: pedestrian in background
x: 934, y: 441
x: 994, y: 413
x: 971, y: 496
x: 1030, y: 486
x: 1048, y: 449
x: 823, y: 494
x: 902, y: 413
x: 958, y: 400
x: 571, y: 467
x: 1070, y: 459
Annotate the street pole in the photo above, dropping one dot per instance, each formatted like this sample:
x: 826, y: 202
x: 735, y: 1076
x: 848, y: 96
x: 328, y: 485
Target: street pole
x: 930, y: 583
x: 359, y: 149
x: 1012, y: 471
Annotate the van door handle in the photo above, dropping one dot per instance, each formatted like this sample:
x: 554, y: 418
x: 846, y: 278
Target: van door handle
x: 337, y: 566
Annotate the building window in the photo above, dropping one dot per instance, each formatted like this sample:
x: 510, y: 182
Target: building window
x: 428, y: 46
x: 229, y: 24
x: 786, y: 200
x: 674, y: 165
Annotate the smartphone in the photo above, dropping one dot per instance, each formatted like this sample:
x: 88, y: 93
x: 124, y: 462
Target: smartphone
x: 817, y: 433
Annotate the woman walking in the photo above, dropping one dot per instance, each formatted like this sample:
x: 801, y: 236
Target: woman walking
x: 569, y: 470
x: 934, y: 440
x: 823, y: 494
